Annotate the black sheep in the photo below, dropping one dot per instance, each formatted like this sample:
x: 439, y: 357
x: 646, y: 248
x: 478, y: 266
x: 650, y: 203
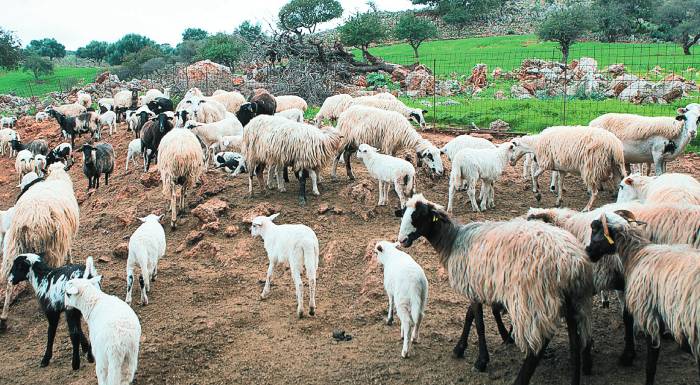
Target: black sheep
x: 245, y: 113
x: 153, y: 131
x: 97, y: 160
x: 160, y: 104
x: 36, y: 146
x: 67, y: 124
x: 266, y: 103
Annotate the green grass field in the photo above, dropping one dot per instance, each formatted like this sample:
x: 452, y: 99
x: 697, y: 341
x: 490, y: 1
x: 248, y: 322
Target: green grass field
x: 23, y: 83
x: 508, y: 52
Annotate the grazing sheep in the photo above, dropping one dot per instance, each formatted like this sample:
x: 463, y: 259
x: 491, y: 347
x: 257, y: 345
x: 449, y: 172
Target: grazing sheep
x: 649, y: 140
x: 464, y: 141
x: 115, y: 331
x: 39, y: 164
x: 69, y: 110
x: 36, y: 146
x: 211, y: 133
x: 159, y: 105
x: 153, y: 132
x: 538, y: 272
x: 593, y: 153
x: 392, y: 104
x: 387, y: 170
x: 133, y: 150
x: 51, y: 212
x: 388, y: 131
x: 24, y: 163
x: 49, y: 285
x: 68, y: 125
x: 6, y: 136
x: 8, y: 121
x: 181, y: 163
x: 265, y: 102
x: 123, y: 100
x: 407, y: 288
x: 662, y: 288
x: 279, y: 142
x: 287, y: 102
x: 232, y: 162
x: 332, y: 107
x: 146, y: 247
x: 41, y: 116
x: 61, y: 153
x: 472, y: 165
x: 150, y: 96
x: 138, y: 119
x: 665, y: 188
x: 109, y: 119
x: 97, y: 160
x: 296, y: 245
x: 293, y: 114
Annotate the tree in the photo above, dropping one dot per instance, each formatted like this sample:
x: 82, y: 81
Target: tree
x: 297, y: 15
x: 361, y: 30
x: 47, y: 47
x: 194, y: 34
x: 565, y: 25
x: 414, y: 30
x: 187, y: 50
x: 10, y: 50
x: 250, y: 32
x: 222, y: 48
x: 621, y: 18
x: 37, y: 65
x: 679, y: 21
x: 462, y: 12
x: 130, y: 43
x: 95, y: 50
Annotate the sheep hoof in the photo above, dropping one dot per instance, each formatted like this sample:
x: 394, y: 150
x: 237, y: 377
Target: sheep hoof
x: 90, y: 357
x: 3, y: 324
x: 605, y: 304
x: 390, y: 321
x: 300, y: 314
x: 44, y: 362
x: 173, y: 225
x: 538, y: 197
x: 404, y: 354
x: 302, y: 201
x: 458, y: 351
x: 480, y: 365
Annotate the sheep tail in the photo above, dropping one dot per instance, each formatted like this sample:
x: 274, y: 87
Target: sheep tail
x: 90, y: 270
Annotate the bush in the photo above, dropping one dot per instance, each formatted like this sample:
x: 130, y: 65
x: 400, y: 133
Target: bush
x: 37, y: 65
x: 378, y: 80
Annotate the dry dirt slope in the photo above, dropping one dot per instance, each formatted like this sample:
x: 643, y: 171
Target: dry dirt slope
x: 206, y: 324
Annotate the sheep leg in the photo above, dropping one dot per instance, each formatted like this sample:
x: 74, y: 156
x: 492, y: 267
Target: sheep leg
x: 405, y: 319
x: 484, y: 195
x: 280, y: 179
x: 604, y: 299
x: 52, y: 319
x: 173, y: 208
x: 560, y: 189
x: 129, y: 283
x: 387, y: 191
x: 526, y: 166
x: 334, y: 167
x: 106, y: 179
x: 628, y: 353
x: 73, y: 321
x: 314, y: 182
x: 114, y: 374
x: 299, y: 287
x: 268, y: 280
x: 496, y: 310
x: 658, y: 157
x: 418, y: 316
x: 348, y: 165
x: 458, y: 351
x: 273, y: 170
x: 554, y: 181
x: 302, y: 175
x: 183, y: 198
x: 450, y: 194
x: 399, y: 191
x: 101, y: 370
x: 652, y: 358
x: 471, y: 192
x: 491, y: 203
x: 529, y: 365
x: 536, y: 185
x: 594, y: 195
x: 390, y: 311
x: 483, y: 359
x: 261, y: 178
x: 85, y: 344
x: 6, y: 306
x: 285, y: 173
x: 250, y: 183
x: 311, y: 276
x: 574, y: 342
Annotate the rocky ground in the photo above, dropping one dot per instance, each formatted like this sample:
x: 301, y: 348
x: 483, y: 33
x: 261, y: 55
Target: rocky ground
x: 205, y: 323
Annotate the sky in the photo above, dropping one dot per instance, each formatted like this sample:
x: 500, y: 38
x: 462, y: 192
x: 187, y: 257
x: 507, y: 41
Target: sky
x: 74, y: 23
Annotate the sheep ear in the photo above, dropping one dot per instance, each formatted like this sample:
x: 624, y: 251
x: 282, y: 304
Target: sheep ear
x: 273, y: 216
x: 142, y: 219
x: 681, y: 110
x: 629, y: 181
x: 627, y: 215
x: 380, y: 248
x: 95, y: 281
x: 160, y: 217
x: 425, y: 111
x: 606, y: 230
x: 681, y: 118
x: 71, y: 289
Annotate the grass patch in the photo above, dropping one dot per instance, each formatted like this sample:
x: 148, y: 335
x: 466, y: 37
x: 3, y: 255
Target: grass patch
x: 23, y: 83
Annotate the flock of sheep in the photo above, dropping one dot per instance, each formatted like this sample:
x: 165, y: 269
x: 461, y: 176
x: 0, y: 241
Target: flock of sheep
x: 540, y: 268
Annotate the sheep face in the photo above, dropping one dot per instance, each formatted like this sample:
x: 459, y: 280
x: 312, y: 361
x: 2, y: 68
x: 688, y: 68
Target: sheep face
x: 519, y: 149
x: 420, y: 218
x: 417, y: 116
x: 76, y: 287
x: 603, y: 232
x: 432, y: 159
x: 258, y: 225
x: 364, y: 150
x: 627, y: 191
x: 21, y: 266
x: 691, y: 116
x: 89, y: 154
x: 165, y: 122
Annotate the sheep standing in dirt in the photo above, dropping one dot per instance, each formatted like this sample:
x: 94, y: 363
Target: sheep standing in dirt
x: 295, y: 244
x: 133, y: 150
x: 211, y: 133
x: 472, y: 165
x: 332, y: 107
x: 146, y: 247
x: 8, y: 121
x: 656, y: 140
x: 115, y: 331
x: 464, y: 141
x: 538, y: 272
x: 84, y: 99
x: 662, y: 288
x: 97, y: 160
x: 387, y: 131
x: 109, y: 119
x: 181, y: 163
x: 36, y: 146
x: 124, y: 100
x: 593, y: 153
x: 153, y: 132
x: 45, y: 222
x: 392, y: 104
x: 665, y: 188
x: 7, y: 135
x: 407, y: 288
x: 39, y: 164
x: 286, y: 102
x: 24, y: 163
x: 387, y: 170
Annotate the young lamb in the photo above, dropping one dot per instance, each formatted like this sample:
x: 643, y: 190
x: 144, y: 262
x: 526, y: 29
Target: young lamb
x: 392, y: 104
x: 150, y: 95
x: 649, y: 140
x: 388, y: 131
x: 6, y: 136
x: 24, y: 163
x: 51, y: 211
x: 115, y: 331
x: 295, y: 244
x: 61, y: 153
x: 181, y: 163
x: 387, y: 170
x: 84, y: 99
x: 592, y: 152
x: 332, y: 107
x: 133, y: 150
x: 229, y: 143
x: 97, y: 160
x: 293, y: 114
x: 36, y: 146
x: 50, y: 287
x: 661, y: 283
x: 8, y: 121
x: 232, y: 162
x: 109, y: 119
x: 538, y: 272
x: 211, y: 133
x: 106, y: 104
x: 287, y: 102
x: 153, y: 132
x: 39, y: 164
x: 137, y: 119
x: 464, y: 141
x: 471, y: 165
x: 146, y: 247
x: 407, y: 288
x: 41, y: 116
x: 665, y: 188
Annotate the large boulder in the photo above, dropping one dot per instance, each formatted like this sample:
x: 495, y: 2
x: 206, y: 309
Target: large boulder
x: 639, y: 92
x: 621, y: 82
x: 669, y: 91
x: 420, y: 80
x: 517, y: 91
x: 478, y: 77
x: 209, y: 211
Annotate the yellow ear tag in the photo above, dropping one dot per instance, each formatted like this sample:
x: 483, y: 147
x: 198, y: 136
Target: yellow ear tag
x: 610, y: 240
x: 435, y: 218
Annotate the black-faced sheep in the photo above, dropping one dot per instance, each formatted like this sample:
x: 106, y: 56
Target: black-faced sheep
x: 153, y: 131
x: 97, y: 160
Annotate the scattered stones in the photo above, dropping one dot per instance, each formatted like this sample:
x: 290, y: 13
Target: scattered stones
x: 212, y: 227
x: 499, y: 125
x: 209, y: 211
x: 232, y: 231
x: 121, y: 251
x: 193, y: 237
x: 204, y: 248
x: 150, y: 179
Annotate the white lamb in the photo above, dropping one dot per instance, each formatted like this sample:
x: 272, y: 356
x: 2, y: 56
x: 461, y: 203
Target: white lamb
x: 115, y: 331
x: 229, y: 143
x: 24, y: 163
x: 388, y: 169
x: 6, y: 136
x: 293, y: 114
x: 39, y: 164
x: 211, y: 133
x: 472, y: 165
x: 41, y: 116
x: 464, y: 141
x: 133, y: 152
x: 665, y: 188
x: 407, y: 288
x: 109, y: 119
x: 146, y: 247
x: 295, y: 244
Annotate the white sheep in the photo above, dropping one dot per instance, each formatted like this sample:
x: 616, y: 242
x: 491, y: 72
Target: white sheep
x: 109, y: 119
x: 6, y: 136
x: 41, y: 116
x: 295, y: 244
x: 133, y: 152
x: 211, y: 133
x: 332, y: 107
x: 150, y: 95
x: 286, y: 102
x: 84, y: 99
x: 115, y: 331
x: 24, y: 163
x: 146, y: 247
x: 207, y: 111
x: 392, y: 104
x: 8, y: 121
x: 229, y: 143
x: 407, y: 288
x: 387, y: 170
x: 464, y: 141
x: 665, y: 188
x: 39, y: 164
x: 471, y: 165
x: 293, y: 114
x: 27, y: 179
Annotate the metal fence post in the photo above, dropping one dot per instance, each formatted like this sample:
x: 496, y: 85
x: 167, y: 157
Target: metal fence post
x: 434, y: 96
x: 566, y: 94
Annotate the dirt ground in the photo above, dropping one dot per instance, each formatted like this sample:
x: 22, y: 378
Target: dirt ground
x: 205, y: 323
